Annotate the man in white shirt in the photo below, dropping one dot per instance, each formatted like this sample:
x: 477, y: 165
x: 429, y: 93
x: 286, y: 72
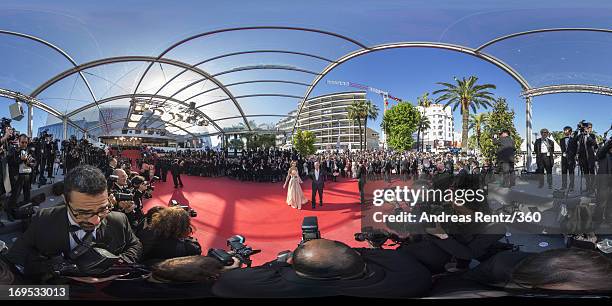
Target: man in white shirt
x: 544, y: 149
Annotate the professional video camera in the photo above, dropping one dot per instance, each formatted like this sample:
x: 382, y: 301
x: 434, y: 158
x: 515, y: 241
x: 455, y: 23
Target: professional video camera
x: 4, y: 123
x: 150, y: 188
x: 237, y: 249
x: 310, y: 229
x: 581, y: 127
x: 191, y: 211
x: 377, y: 238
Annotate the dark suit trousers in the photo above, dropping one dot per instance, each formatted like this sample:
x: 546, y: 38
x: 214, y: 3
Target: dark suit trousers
x: 545, y: 164
x: 317, y: 189
x: 362, y: 192
x: 177, y: 179
x: 567, y: 166
x: 21, y: 184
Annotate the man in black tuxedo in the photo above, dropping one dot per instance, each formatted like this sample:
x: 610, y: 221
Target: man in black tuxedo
x: 505, y: 157
x: 87, y: 217
x: 318, y: 182
x: 587, y: 147
x: 568, y: 160
x: 175, y: 169
x: 323, y: 267
x: 362, y: 175
x: 544, y: 149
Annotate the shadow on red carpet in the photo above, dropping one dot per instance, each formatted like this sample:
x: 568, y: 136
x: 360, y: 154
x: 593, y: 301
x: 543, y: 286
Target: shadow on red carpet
x: 259, y: 212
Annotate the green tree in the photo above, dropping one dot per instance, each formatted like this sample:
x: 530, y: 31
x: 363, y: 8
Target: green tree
x: 466, y: 95
x: 399, y: 123
x: 500, y: 118
x: 477, y: 122
x: 425, y: 102
x: 236, y: 144
x: 256, y: 140
x: 371, y: 112
x: 356, y: 112
x: 557, y: 136
x: 303, y: 142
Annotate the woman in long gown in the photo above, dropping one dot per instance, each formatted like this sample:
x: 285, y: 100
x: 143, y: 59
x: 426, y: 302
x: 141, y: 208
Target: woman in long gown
x: 295, y: 195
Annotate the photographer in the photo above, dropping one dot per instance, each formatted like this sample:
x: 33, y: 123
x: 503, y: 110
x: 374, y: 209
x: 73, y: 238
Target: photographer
x: 7, y: 134
x: 175, y: 278
x: 172, y: 228
x: 321, y: 267
x: 604, y: 178
x: 139, y: 186
x: 587, y: 147
x: 86, y: 218
x: 21, y: 164
x: 505, y: 157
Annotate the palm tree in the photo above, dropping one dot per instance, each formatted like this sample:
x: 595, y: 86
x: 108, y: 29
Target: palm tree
x: 371, y: 112
x: 357, y: 111
x: 467, y: 95
x: 557, y: 136
x: 423, y: 126
x: 477, y: 122
x: 424, y: 102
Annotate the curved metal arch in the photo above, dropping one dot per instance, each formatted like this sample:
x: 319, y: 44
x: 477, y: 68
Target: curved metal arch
x: 161, y: 55
x: 121, y: 59
x: 241, y: 53
x: 124, y: 119
x: 461, y: 49
x: 263, y: 67
x: 129, y: 96
x: 505, y: 37
x: 567, y: 88
x: 60, y: 51
x: 250, y: 82
x: 236, y: 117
x: 251, y: 96
x: 239, y: 70
x: 271, y: 67
x: 9, y: 94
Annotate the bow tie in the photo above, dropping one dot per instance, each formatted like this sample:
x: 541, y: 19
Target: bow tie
x: 76, y: 228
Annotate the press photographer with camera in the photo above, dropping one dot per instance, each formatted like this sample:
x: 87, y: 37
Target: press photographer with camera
x: 587, y: 147
x: 121, y: 192
x: 139, y: 187
x: 321, y: 267
x: 175, y: 278
x: 83, y: 238
x: 172, y: 229
x: 21, y: 164
x: 505, y: 157
x: 7, y: 135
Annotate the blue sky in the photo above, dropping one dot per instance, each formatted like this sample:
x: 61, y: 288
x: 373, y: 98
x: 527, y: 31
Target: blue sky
x: 90, y: 30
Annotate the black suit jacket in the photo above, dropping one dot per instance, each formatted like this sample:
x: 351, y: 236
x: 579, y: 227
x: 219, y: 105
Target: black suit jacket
x: 362, y: 174
x: 321, y: 181
x: 389, y: 274
x: 48, y: 236
x: 570, y: 149
x: 537, y: 147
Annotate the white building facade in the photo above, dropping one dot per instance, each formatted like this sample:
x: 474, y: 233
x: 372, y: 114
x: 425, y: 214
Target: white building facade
x: 441, y: 133
x: 327, y: 117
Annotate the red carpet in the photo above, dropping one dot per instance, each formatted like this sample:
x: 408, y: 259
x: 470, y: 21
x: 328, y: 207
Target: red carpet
x: 259, y: 212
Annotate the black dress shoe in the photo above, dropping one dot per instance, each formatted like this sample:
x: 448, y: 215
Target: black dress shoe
x: 321, y: 204
x: 314, y: 206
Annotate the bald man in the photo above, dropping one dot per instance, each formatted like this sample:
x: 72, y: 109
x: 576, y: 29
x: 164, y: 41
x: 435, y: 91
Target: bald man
x: 323, y: 267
